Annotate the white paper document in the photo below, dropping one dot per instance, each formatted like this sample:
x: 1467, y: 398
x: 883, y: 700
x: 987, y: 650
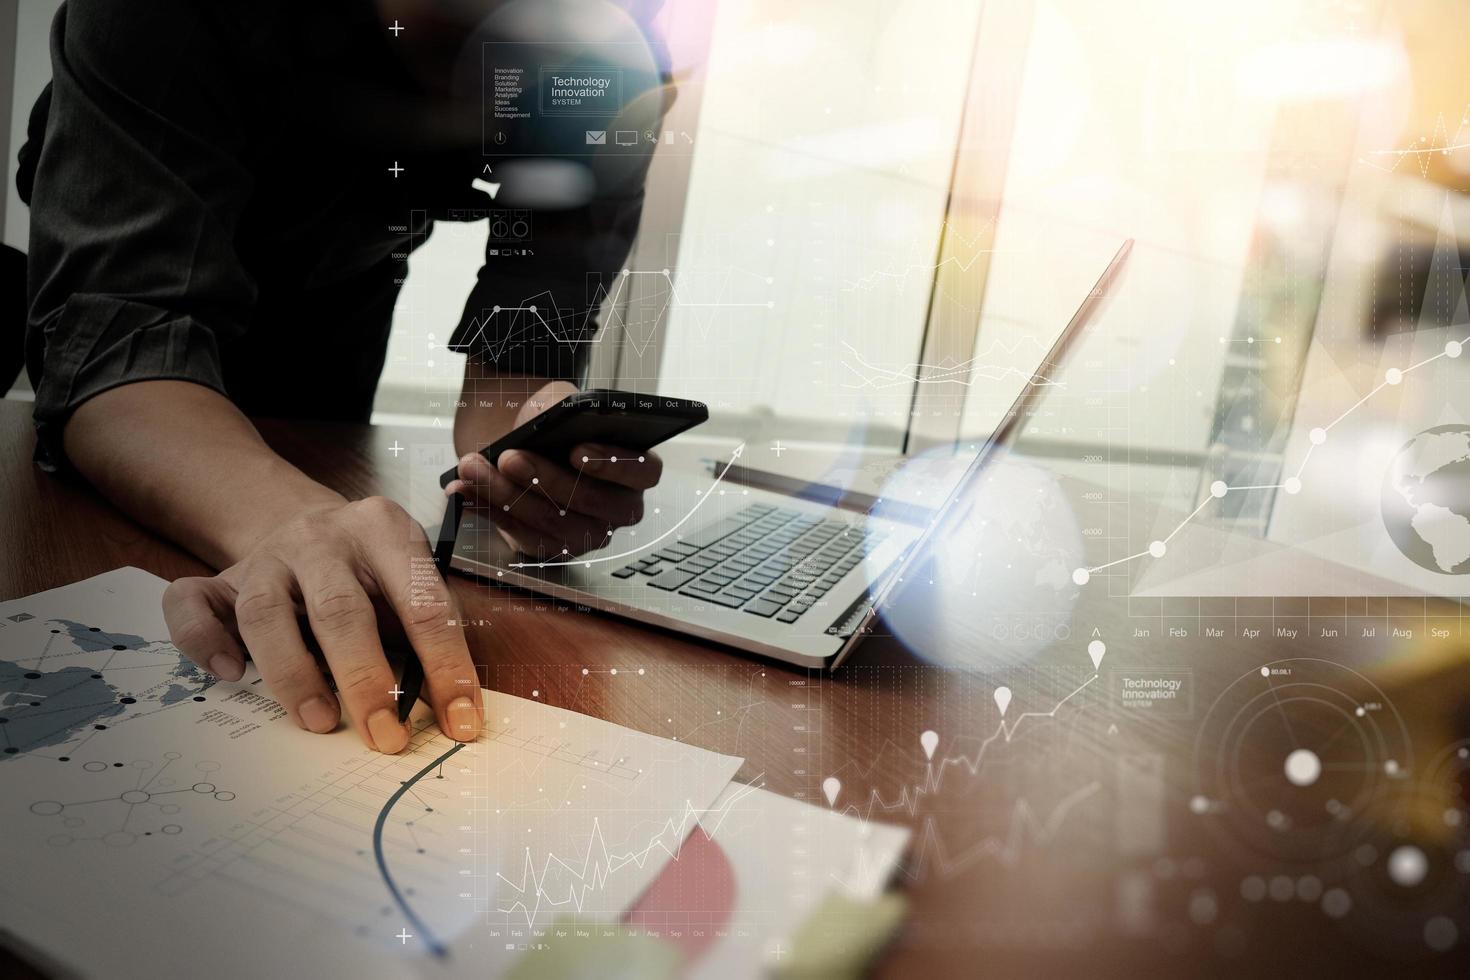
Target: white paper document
x: 753, y: 872
x: 159, y: 822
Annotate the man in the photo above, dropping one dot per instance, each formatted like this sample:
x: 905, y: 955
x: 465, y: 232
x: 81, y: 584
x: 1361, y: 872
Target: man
x: 222, y: 197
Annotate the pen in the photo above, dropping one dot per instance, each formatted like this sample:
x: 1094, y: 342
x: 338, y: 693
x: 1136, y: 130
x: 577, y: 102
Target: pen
x: 413, y: 669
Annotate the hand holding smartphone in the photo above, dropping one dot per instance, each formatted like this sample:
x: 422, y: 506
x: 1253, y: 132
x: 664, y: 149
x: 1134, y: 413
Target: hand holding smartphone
x: 563, y: 480
x: 598, y: 417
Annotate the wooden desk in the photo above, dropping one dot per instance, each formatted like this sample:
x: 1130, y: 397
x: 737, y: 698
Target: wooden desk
x: 1072, y: 848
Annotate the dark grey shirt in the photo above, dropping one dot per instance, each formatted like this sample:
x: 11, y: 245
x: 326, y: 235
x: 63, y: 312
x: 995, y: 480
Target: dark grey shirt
x: 211, y: 201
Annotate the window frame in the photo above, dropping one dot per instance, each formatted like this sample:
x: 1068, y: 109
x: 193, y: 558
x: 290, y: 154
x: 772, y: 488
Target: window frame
x: 972, y: 209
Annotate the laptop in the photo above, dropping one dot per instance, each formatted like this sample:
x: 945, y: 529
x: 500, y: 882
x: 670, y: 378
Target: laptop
x: 754, y: 568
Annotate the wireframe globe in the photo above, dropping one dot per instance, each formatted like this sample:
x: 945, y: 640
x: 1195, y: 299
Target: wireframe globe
x: 1426, y: 500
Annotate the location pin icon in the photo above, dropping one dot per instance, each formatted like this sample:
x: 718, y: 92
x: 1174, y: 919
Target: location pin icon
x: 1095, y: 650
x: 930, y: 741
x: 1002, y: 699
x: 831, y: 786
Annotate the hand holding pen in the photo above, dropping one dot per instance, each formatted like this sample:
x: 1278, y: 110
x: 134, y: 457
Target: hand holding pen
x: 342, y: 565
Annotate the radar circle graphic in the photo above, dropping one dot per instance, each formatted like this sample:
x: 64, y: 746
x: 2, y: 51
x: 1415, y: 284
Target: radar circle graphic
x: 1294, y: 758
x: 1410, y: 881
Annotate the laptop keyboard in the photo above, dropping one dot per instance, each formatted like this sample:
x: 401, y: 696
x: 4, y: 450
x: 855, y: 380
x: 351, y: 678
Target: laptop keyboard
x: 770, y: 562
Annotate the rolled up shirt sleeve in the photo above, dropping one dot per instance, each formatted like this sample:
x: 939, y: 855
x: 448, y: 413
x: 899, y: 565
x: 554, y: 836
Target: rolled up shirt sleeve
x: 137, y: 191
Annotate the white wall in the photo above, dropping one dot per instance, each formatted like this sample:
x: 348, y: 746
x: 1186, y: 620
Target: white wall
x: 32, y: 72
x: 820, y: 176
x: 1131, y: 123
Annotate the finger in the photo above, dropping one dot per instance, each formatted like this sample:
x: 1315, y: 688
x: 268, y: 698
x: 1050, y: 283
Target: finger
x: 538, y: 546
x: 342, y: 619
x: 426, y: 611
x: 578, y: 536
x: 571, y: 491
x: 474, y: 477
x: 528, y: 540
x: 266, y: 613
x: 627, y: 467
x: 543, y: 542
x: 198, y: 612
x: 521, y: 538
x: 502, y: 498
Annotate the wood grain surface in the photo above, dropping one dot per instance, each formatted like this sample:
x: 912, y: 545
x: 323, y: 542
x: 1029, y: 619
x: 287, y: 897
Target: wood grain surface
x: 1070, y: 849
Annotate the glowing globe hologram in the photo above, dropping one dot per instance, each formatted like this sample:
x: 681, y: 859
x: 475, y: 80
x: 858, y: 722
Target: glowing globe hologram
x: 995, y: 585
x: 1426, y: 500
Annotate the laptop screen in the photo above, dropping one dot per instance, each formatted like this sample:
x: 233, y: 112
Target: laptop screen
x: 980, y: 474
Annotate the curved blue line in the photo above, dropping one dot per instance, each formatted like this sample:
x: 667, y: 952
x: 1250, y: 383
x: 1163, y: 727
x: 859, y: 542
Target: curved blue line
x: 435, y: 947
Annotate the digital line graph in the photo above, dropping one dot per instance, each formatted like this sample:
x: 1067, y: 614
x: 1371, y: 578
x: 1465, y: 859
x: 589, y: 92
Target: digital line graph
x: 598, y: 863
x: 1292, y: 484
x: 963, y: 373
x: 562, y: 508
x: 928, y: 271
x: 1024, y: 824
x: 538, y: 326
x: 588, y: 562
x: 909, y: 798
x: 1421, y: 152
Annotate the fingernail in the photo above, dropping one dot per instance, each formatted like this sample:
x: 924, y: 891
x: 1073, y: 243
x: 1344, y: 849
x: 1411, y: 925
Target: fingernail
x: 464, y: 720
x: 518, y: 468
x: 389, y: 734
x: 318, y: 714
x: 226, y: 667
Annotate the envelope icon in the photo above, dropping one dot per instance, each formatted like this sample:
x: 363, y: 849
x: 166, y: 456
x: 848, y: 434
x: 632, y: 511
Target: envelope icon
x: 597, y: 137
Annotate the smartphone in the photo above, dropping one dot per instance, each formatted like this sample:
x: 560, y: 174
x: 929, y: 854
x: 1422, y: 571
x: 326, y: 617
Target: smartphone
x: 614, y: 418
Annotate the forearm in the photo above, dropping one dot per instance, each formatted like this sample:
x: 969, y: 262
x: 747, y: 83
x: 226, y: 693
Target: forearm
x: 182, y: 459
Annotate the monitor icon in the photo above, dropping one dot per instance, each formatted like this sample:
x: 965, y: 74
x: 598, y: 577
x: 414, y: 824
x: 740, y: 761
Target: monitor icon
x: 626, y: 137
